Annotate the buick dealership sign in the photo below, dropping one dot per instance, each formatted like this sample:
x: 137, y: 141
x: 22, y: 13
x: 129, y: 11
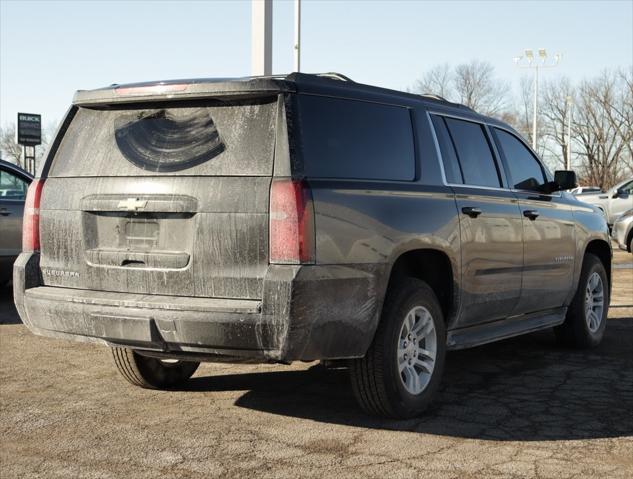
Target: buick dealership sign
x: 29, y: 129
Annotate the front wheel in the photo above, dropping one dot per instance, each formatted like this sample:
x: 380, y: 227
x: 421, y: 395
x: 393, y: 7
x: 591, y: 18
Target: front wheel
x: 401, y: 371
x: 152, y: 373
x: 587, y: 315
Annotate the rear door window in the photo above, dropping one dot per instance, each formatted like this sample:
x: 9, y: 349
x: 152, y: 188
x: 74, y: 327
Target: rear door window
x: 202, y: 138
x: 473, y: 150
x: 353, y: 139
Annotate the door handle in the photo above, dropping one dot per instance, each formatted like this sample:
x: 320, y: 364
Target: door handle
x: 4, y: 212
x: 532, y: 214
x: 471, y: 211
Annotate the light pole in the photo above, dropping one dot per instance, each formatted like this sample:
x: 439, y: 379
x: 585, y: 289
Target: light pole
x: 527, y: 60
x: 570, y: 104
x: 297, y: 36
x: 261, y: 37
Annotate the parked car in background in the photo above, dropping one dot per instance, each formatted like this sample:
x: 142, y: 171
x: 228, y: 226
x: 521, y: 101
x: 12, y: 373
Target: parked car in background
x: 614, y: 202
x: 300, y: 218
x: 14, y: 182
x: 622, y: 231
x: 585, y: 190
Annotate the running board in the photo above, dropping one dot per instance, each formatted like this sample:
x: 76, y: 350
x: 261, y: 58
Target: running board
x: 505, y: 328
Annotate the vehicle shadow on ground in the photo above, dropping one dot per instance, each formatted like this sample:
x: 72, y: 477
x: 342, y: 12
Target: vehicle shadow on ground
x: 526, y: 389
x: 8, y: 313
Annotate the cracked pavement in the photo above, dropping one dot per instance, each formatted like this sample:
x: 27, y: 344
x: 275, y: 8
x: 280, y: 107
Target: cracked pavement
x: 519, y: 408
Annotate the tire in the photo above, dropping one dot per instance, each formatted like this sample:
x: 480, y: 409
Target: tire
x: 582, y: 328
x: 152, y: 373
x: 379, y: 386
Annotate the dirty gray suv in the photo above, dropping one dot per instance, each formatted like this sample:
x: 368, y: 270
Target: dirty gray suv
x: 303, y: 217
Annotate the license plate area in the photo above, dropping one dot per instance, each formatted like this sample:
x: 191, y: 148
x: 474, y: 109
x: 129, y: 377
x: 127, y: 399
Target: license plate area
x: 141, y: 232
x: 139, y: 240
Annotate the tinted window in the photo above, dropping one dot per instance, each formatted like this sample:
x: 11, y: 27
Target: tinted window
x: 12, y: 187
x: 354, y: 139
x: 475, y: 157
x: 449, y: 158
x: 192, y: 138
x: 525, y: 171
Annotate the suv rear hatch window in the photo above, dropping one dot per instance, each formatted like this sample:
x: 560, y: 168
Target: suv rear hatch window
x: 210, y: 138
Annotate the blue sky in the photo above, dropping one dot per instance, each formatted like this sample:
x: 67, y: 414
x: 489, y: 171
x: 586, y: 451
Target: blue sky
x: 49, y: 49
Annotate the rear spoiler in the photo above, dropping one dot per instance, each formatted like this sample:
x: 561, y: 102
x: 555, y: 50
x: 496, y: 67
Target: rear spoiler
x: 226, y: 89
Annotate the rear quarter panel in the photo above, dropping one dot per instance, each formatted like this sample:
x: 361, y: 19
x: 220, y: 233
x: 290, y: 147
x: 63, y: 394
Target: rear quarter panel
x: 368, y: 226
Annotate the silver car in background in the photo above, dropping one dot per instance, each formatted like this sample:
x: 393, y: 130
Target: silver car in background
x: 622, y: 231
x: 586, y: 190
x: 614, y: 202
x: 14, y: 182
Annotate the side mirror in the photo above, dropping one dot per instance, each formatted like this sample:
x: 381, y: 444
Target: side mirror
x: 565, y: 180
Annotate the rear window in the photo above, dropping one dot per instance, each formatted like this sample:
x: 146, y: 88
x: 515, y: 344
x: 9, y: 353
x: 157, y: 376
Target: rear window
x: 209, y: 138
x: 353, y: 139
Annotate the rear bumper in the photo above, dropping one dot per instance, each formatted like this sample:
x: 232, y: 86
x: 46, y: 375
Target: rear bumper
x: 307, y: 312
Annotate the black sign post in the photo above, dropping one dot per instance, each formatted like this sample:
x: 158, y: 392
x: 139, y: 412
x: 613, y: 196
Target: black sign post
x: 29, y: 136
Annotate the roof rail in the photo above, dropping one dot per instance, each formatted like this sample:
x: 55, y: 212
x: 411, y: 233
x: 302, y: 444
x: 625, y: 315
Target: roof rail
x: 434, y: 96
x: 336, y: 76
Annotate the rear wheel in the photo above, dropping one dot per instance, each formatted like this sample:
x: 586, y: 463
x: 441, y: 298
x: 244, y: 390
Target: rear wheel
x: 401, y: 371
x: 152, y: 373
x: 587, y: 315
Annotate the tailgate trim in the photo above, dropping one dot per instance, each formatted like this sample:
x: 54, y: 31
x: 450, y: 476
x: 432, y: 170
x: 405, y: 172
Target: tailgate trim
x: 146, y: 301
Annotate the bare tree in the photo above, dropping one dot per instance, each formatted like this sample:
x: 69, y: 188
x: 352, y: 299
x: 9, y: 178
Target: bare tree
x: 555, y: 109
x: 472, y: 84
x: 476, y: 87
x: 9, y: 147
x: 603, y: 128
x: 436, y: 81
x: 14, y: 153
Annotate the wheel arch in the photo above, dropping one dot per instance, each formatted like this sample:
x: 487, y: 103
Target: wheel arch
x: 602, y: 250
x: 435, y: 268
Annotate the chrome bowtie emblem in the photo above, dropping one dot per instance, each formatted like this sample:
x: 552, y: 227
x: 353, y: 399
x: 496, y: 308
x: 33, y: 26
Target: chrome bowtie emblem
x: 132, y: 204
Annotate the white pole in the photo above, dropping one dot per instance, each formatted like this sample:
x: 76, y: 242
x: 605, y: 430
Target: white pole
x: 262, y: 37
x: 571, y: 109
x: 297, y: 66
x: 535, y: 107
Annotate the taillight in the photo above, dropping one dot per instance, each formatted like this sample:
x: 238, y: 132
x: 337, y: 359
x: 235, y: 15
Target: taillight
x: 31, y: 218
x: 291, y: 222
